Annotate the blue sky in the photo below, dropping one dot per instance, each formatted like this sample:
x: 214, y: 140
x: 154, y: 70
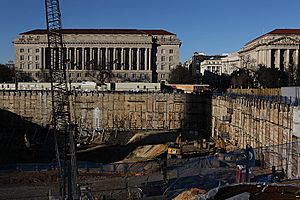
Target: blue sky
x: 210, y: 26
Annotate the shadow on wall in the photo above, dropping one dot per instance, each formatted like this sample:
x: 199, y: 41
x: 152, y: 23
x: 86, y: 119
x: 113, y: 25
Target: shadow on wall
x: 198, y: 115
x: 23, y: 141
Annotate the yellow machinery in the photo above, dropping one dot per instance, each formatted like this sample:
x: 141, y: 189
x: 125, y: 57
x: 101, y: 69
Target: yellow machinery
x: 175, y: 149
x: 220, y: 144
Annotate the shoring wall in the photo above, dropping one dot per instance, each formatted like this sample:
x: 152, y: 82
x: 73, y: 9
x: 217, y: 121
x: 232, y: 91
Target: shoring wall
x: 266, y: 125
x: 126, y: 111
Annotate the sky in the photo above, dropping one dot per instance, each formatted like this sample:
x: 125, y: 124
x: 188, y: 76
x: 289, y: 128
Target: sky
x: 209, y: 26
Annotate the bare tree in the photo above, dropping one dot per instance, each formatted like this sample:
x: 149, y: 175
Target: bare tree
x: 100, y: 74
x: 249, y: 63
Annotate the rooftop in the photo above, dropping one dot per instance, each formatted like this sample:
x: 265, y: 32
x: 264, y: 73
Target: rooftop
x: 102, y: 31
x: 278, y: 32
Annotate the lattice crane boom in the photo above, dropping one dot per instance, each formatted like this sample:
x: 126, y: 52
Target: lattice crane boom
x: 61, y: 117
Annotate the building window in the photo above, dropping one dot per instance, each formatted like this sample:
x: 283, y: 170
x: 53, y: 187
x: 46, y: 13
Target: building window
x: 21, y: 50
x: 163, y: 51
x: 30, y: 66
x: 37, y: 65
x: 30, y: 58
x: 171, y: 51
x: 162, y: 66
x: 21, y: 66
x: 21, y: 57
x: 29, y: 50
x: 163, y: 58
x: 37, y: 50
x: 37, y: 57
x: 171, y: 58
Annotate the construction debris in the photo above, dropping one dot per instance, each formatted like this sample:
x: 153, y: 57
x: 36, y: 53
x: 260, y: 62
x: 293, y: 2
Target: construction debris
x: 192, y: 194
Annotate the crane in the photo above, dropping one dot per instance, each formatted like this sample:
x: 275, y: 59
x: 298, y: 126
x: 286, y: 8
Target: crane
x: 61, y: 122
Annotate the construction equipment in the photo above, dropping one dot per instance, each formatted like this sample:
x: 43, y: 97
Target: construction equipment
x: 61, y: 123
x: 220, y: 144
x: 175, y: 149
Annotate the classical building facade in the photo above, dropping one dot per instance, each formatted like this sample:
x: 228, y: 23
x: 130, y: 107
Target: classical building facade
x: 230, y: 63
x: 131, y: 54
x: 212, y: 64
x: 200, y: 62
x: 278, y: 49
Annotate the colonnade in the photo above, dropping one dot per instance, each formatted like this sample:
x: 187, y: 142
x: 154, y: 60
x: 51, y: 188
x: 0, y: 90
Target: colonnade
x: 281, y: 58
x: 86, y: 58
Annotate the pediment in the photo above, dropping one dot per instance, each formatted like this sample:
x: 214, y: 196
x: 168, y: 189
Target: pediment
x: 284, y: 41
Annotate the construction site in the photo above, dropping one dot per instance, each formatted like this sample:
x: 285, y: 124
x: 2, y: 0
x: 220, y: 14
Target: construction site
x: 63, y: 143
x: 153, y: 146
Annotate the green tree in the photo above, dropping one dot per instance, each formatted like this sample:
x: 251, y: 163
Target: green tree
x: 242, y: 78
x: 6, y: 74
x: 181, y: 75
x: 271, y: 77
x: 216, y: 82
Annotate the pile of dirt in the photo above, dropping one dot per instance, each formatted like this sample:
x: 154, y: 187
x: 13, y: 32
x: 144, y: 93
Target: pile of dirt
x: 146, y: 152
x: 191, y: 194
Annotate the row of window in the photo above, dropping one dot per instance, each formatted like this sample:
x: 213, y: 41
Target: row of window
x: 214, y: 62
x: 163, y: 58
x: 22, y: 50
x: 163, y: 51
x: 29, y: 50
x: 164, y: 76
x: 142, y: 76
x: 213, y: 67
x: 29, y: 58
x: 29, y: 66
x: 163, y: 66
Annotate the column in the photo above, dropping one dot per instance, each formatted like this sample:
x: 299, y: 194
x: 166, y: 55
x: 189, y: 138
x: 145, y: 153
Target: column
x: 107, y: 58
x: 146, y: 59
x: 138, y: 59
x: 277, y: 65
x: 99, y: 56
x: 42, y: 58
x: 258, y: 57
x: 75, y: 59
x: 122, y: 58
x: 112, y: 59
x: 296, y: 61
x: 87, y: 58
x: 129, y: 59
x: 287, y: 59
x: 149, y: 60
x: 266, y: 57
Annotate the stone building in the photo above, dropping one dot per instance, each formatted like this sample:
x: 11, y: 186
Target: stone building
x: 278, y: 48
x: 230, y: 63
x: 200, y: 62
x: 131, y: 54
x: 212, y: 64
